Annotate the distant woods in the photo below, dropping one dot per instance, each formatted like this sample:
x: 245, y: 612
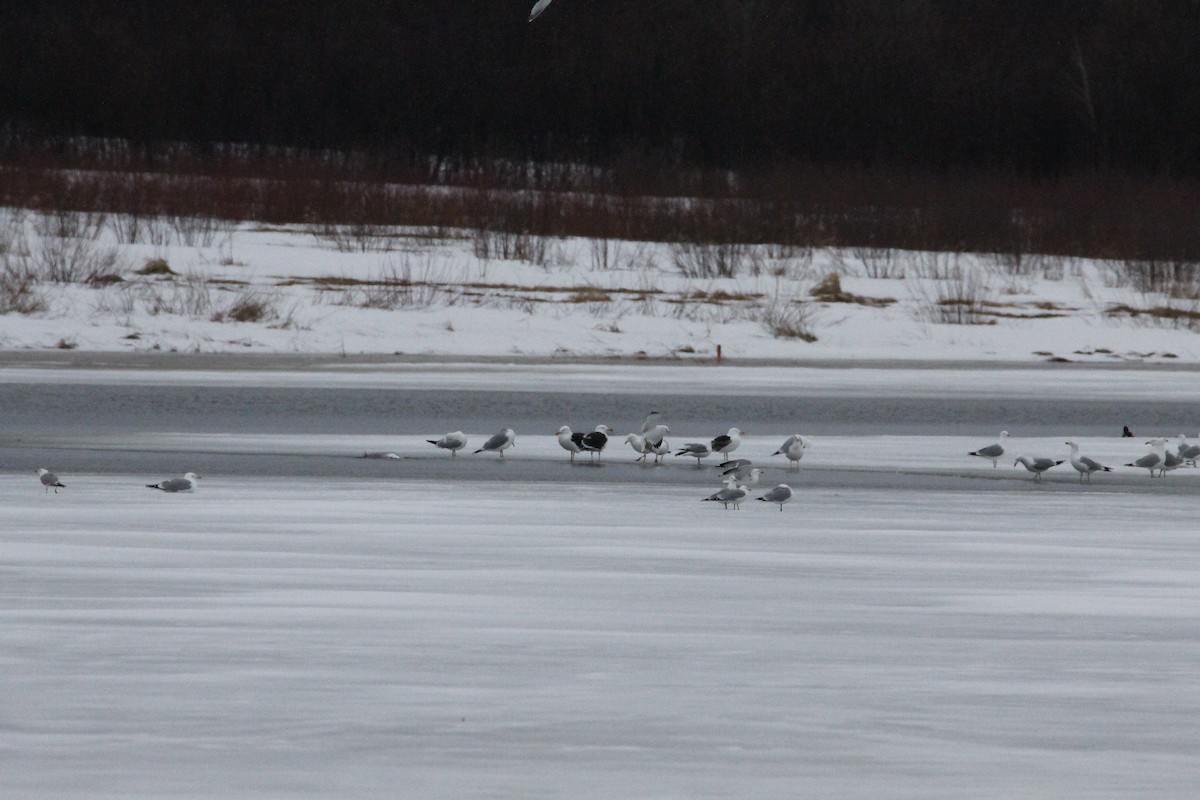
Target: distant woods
x: 1035, y: 88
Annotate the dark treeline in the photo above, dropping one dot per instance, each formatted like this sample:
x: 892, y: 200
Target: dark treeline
x: 1029, y: 87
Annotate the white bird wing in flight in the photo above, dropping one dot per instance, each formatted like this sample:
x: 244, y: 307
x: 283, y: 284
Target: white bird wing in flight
x: 538, y: 9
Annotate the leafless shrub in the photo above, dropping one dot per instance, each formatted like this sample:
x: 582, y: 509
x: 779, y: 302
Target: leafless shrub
x: 935, y: 266
x: 699, y: 259
x: 190, y: 297
x: 789, y: 320
x: 880, y: 262
x: 20, y: 290
x: 246, y: 307
x: 198, y: 230
x: 401, y: 283
x: 961, y: 300
x: 65, y: 250
x: 1172, y: 277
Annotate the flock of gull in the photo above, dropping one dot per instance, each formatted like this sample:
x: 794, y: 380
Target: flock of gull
x: 1159, y: 461
x: 740, y: 475
x: 737, y: 475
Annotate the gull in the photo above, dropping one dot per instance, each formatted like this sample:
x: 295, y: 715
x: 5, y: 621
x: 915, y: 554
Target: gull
x: 1187, y: 451
x: 1084, y: 465
x: 499, y: 442
x: 655, y: 434
x: 730, y: 495
x: 695, y: 449
x: 538, y: 8
x: 50, y: 481
x: 1171, y: 461
x: 993, y: 451
x: 596, y: 441
x: 185, y: 484
x: 1154, y: 459
x: 733, y: 463
x: 379, y: 454
x: 451, y: 441
x: 726, y: 443
x: 571, y: 442
x: 659, y: 450
x: 793, y: 448
x: 1037, y: 465
x: 780, y: 494
x: 744, y: 474
x: 638, y: 443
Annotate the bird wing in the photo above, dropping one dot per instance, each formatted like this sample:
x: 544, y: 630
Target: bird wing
x: 1091, y: 464
x: 721, y: 441
x: 496, y: 441
x: 991, y: 451
x: 538, y: 9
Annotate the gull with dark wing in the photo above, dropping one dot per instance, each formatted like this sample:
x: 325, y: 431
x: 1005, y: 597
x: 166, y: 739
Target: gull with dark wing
x: 499, y: 442
x: 50, y: 480
x: 1084, y: 465
x: 992, y: 452
x: 451, y: 441
x: 780, y: 494
x: 726, y: 443
x: 571, y: 442
x: 1037, y: 465
x: 596, y: 441
x: 745, y: 474
x: 185, y: 484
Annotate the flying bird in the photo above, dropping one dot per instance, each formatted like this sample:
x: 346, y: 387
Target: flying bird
x: 185, y: 484
x: 1084, y: 465
x: 793, y: 448
x: 538, y: 9
x: 499, y: 442
x: 451, y: 441
x: 992, y: 452
x: 780, y: 494
x: 1037, y: 465
x: 50, y: 481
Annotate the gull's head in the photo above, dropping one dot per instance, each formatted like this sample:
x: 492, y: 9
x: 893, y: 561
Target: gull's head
x: 192, y: 476
x: 734, y: 432
x: 564, y: 429
x: 42, y: 471
x: 1072, y: 445
x: 1003, y: 435
x: 603, y: 429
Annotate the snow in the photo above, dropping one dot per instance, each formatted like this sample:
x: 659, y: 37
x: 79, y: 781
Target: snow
x: 314, y: 638
x: 444, y: 300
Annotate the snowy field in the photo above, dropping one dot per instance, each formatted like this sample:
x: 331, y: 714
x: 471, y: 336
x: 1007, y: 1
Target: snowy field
x: 244, y: 288
x: 433, y: 639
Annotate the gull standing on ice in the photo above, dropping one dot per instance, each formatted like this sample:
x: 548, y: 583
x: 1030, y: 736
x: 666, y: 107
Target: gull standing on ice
x: 1171, y: 461
x: 596, y: 441
x: 743, y: 473
x: 992, y: 452
x: 499, y: 442
x: 50, y: 481
x: 780, y: 494
x: 538, y: 8
x: 695, y: 449
x: 1084, y: 465
x: 638, y: 443
x: 726, y: 443
x: 185, y: 484
x: 1187, y: 451
x: 571, y: 442
x: 451, y: 441
x: 793, y: 448
x: 1037, y: 465
x: 1154, y: 459
x: 730, y: 495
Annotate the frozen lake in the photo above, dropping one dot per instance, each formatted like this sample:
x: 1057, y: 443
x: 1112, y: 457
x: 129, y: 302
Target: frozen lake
x: 310, y: 624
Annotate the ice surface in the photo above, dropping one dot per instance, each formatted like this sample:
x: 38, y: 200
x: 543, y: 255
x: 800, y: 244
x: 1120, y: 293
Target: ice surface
x: 436, y: 639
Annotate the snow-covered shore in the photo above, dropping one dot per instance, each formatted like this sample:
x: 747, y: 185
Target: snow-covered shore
x: 435, y: 297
